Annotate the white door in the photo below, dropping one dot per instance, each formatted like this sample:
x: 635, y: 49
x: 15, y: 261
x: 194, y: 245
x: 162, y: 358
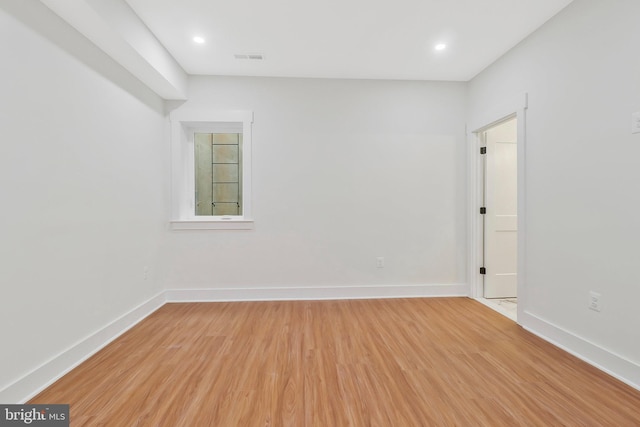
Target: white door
x: 501, y: 218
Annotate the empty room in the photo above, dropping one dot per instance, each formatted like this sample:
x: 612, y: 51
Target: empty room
x: 410, y: 213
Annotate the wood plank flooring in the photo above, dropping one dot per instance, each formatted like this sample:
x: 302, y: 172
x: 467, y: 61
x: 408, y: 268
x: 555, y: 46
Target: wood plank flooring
x: 399, y: 362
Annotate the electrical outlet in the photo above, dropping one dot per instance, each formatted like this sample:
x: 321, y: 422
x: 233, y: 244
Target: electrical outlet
x: 146, y: 273
x: 595, y: 301
x: 380, y: 262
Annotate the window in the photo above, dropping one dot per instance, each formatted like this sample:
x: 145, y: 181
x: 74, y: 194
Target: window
x: 211, y: 170
x: 218, y: 173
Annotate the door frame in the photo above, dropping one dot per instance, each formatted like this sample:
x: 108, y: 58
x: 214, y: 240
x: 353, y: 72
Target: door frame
x: 515, y: 108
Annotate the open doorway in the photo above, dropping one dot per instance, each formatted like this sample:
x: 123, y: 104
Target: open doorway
x: 500, y: 216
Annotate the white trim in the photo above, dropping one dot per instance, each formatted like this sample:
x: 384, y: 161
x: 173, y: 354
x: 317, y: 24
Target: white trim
x: 49, y: 372
x: 474, y: 226
x: 315, y: 293
x: 40, y: 378
x: 494, y: 114
x: 522, y: 206
x: 517, y: 108
x: 613, y: 364
x: 46, y: 374
x: 183, y: 124
x: 213, y: 224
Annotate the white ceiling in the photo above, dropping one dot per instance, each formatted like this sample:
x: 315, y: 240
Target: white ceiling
x: 378, y: 39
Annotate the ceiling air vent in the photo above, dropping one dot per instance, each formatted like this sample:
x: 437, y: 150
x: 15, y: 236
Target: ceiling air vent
x: 253, y: 56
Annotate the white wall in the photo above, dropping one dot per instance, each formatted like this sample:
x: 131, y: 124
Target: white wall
x: 582, y: 73
x: 116, y: 29
x: 82, y: 173
x: 344, y: 171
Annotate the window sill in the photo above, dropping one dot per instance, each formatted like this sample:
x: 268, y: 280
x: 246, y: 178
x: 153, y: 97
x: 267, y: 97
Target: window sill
x: 212, y: 224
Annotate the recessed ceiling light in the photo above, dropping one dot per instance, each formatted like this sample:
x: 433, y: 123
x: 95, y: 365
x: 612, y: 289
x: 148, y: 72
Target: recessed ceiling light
x: 441, y: 46
x: 198, y: 39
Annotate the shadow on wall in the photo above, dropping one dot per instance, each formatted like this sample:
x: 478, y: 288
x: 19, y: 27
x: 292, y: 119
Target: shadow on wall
x: 46, y: 23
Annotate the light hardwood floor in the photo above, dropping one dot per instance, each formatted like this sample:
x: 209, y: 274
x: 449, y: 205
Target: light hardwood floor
x: 396, y: 363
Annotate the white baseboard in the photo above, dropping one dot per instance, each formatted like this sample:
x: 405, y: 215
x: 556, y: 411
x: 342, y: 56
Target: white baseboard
x: 611, y: 363
x: 315, y: 293
x: 43, y: 376
x: 49, y: 372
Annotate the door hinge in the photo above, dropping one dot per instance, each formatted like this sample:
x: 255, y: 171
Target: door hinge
x: 483, y: 150
x: 483, y: 270
x: 483, y: 210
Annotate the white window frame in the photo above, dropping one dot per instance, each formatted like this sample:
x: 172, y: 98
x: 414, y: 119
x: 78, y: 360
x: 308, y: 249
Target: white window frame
x: 184, y: 124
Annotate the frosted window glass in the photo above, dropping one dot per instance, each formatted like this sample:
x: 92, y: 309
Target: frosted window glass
x: 218, y: 170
